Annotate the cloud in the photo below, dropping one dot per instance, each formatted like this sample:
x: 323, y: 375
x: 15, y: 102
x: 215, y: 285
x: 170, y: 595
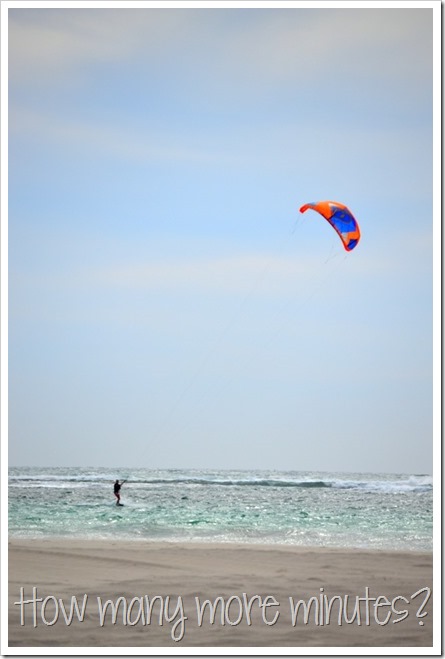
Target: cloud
x: 259, y: 146
x: 302, y: 45
x: 209, y: 68
x: 255, y: 48
x: 259, y: 273
x: 52, y: 45
x: 223, y: 275
x: 104, y: 140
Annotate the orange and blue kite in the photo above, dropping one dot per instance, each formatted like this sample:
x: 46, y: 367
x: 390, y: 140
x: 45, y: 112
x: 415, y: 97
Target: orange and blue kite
x: 340, y: 217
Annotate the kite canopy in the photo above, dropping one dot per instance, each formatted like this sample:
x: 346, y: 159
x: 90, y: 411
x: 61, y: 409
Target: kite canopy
x: 341, y: 218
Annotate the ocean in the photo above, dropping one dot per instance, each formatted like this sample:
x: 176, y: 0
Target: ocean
x: 312, y: 509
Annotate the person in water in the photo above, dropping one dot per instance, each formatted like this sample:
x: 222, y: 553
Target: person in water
x: 117, y: 487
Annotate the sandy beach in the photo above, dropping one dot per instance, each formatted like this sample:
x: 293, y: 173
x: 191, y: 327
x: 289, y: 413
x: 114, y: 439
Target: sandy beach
x: 359, y: 598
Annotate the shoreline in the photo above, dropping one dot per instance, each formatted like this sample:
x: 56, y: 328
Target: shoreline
x: 195, y: 543
x: 349, y: 597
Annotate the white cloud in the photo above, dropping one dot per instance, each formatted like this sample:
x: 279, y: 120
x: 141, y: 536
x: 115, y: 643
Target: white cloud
x: 257, y: 47
x: 47, y: 46
x: 381, y: 151
x: 255, y: 273
x: 96, y: 137
x: 305, y: 44
x: 219, y: 57
x: 229, y: 274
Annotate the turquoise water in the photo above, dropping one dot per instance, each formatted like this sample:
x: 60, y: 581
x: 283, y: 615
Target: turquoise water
x: 377, y: 511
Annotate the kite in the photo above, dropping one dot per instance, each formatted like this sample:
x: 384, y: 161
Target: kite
x: 340, y: 218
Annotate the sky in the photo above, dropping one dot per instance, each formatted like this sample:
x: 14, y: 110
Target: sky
x: 169, y: 306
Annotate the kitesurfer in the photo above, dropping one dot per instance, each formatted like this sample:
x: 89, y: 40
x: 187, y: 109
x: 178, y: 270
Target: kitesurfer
x: 117, y: 487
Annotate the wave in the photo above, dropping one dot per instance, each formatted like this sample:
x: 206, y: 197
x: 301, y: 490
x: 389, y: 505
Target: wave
x: 58, y: 482
x: 409, y: 484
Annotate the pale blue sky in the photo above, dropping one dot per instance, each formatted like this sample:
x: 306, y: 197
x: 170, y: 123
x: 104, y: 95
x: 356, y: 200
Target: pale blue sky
x: 168, y: 304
